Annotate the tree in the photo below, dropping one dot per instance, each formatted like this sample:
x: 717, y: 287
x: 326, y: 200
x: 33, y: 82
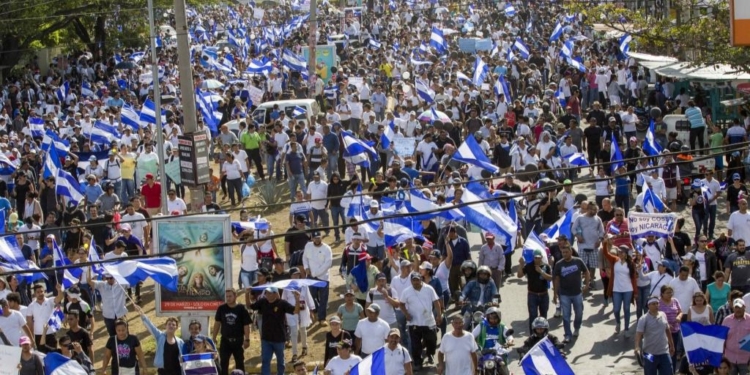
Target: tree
x: 694, y: 31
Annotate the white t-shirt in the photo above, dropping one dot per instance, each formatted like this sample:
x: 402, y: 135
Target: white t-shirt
x: 739, y: 224
x: 317, y: 191
x: 602, y: 186
x: 12, y: 326
x: 700, y: 257
x: 684, y: 291
x: 428, y: 157
x: 442, y: 274
x: 137, y: 223
x: 241, y: 157
x: 41, y: 313
x: 176, y: 205
x: 249, y: 258
x: 233, y: 169
x: 457, y: 352
x: 372, y: 334
x: 338, y: 366
x: 387, y: 312
x: 396, y: 359
x: 622, y: 278
x: 419, y: 305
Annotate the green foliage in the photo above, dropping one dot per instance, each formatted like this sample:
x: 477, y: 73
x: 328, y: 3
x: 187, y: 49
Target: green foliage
x: 269, y: 193
x: 690, y: 33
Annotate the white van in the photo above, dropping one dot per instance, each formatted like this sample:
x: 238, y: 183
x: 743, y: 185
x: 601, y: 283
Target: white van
x: 262, y: 114
x: 681, y: 125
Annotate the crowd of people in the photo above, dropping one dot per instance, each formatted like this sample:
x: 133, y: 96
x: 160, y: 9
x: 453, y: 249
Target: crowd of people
x: 546, y: 88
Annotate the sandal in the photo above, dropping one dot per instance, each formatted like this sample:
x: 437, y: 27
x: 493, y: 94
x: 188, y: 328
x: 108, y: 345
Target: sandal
x: 304, y: 352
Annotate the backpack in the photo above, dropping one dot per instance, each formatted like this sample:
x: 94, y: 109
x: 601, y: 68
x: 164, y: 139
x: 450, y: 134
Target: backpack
x: 106, y: 167
x: 296, y: 258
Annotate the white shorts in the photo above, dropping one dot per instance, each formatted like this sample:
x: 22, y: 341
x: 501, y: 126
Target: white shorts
x: 671, y: 193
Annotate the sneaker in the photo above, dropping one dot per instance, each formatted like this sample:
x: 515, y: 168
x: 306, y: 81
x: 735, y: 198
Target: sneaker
x: 558, y: 312
x: 566, y: 340
x: 575, y: 333
x: 617, y: 328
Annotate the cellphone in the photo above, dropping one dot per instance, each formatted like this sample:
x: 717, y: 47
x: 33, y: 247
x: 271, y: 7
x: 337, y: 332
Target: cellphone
x: 70, y: 346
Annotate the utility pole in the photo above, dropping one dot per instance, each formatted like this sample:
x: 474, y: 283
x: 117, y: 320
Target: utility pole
x: 313, y: 41
x: 187, y: 89
x: 157, y: 107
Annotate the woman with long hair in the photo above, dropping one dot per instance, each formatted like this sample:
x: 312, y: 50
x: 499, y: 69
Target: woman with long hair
x: 701, y: 312
x: 670, y: 306
x: 622, y: 283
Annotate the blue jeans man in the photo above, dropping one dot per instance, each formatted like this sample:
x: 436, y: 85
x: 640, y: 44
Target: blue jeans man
x: 267, y: 351
x: 320, y: 296
x: 323, y: 215
x: 333, y: 164
x: 338, y: 213
x: 538, y: 305
x: 296, y: 180
x: 657, y: 364
x: 570, y: 304
x: 128, y: 190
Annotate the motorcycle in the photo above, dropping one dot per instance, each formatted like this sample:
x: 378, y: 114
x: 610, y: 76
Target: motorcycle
x: 522, y: 352
x: 494, y: 361
x: 475, y: 313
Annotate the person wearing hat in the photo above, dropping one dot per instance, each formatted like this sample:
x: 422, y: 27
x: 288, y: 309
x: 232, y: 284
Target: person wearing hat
x: 109, y: 201
x: 113, y: 170
x: 344, y: 361
x: 334, y: 337
x: 399, y: 284
x: 151, y: 192
x: 299, y: 322
x: 538, y: 275
x: 738, y: 324
x: 492, y: 255
x: 735, y: 191
x: 279, y: 273
x: 738, y: 225
x: 94, y: 168
x: 385, y: 298
x: 358, y: 281
x: 352, y: 252
x: 371, y: 332
x: 399, y: 359
x: 653, y: 337
x: 113, y: 301
x: 317, y: 260
x: 419, y: 302
x: 233, y: 321
x: 317, y: 193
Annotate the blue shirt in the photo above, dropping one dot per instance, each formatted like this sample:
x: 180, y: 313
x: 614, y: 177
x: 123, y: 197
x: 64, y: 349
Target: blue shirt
x: 331, y: 143
x: 461, y: 251
x: 5, y: 205
x: 622, y: 185
x: 695, y: 117
x: 93, y: 192
x: 295, y: 162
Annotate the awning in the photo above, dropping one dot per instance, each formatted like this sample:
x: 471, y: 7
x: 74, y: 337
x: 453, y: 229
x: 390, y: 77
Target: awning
x: 674, y: 70
x: 654, y: 64
x: 648, y: 57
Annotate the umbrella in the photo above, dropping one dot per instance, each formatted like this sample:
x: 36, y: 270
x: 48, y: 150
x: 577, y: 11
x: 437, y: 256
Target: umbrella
x: 125, y: 65
x: 429, y: 116
x: 212, y: 84
x: 294, y: 284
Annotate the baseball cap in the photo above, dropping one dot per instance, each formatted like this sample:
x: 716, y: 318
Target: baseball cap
x: 149, y: 176
x: 394, y: 331
x: 415, y: 275
x: 538, y: 254
x: 688, y: 256
x: 120, y: 244
x: 374, y: 203
x: 126, y: 227
x: 738, y: 302
x: 315, y: 234
x: 345, y: 344
x: 405, y: 263
x: 373, y: 308
x: 334, y: 319
x: 633, y: 139
x: 612, y: 119
x: 363, y: 257
x: 199, y: 338
x: 380, y: 276
x: 272, y: 289
x: 489, y: 235
x: 436, y: 254
x: 736, y: 176
x: 357, y: 236
x: 425, y: 266
x: 567, y: 182
x: 26, y: 340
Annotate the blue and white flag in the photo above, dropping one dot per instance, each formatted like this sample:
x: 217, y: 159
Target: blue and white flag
x: 87, y: 91
x: 294, y: 62
x: 148, y: 113
x: 510, y: 10
x: 529, y: 26
x: 533, y: 243
x: 51, y: 163
x: 388, y: 133
x: 136, y: 57
x: 395, y: 230
x: 567, y: 48
x: 560, y: 96
x: 58, y: 364
x: 501, y: 87
x: 510, y: 56
x: 615, y: 154
x: 471, y: 153
x: 207, y: 103
x: 704, y: 343
x: 58, y: 255
x: 62, y: 91
x: 415, y: 60
x: 374, y: 44
x: 94, y: 257
x: 480, y: 72
x: 10, y: 252
x: 199, y: 364
x: 437, y: 41
x: 253, y: 224
x: 129, y: 117
x: 103, y: 132
x: 462, y: 77
x: 51, y: 138
x: 556, y: 33
x: 574, y: 63
x: 163, y: 270
x: 298, y: 111
x: 56, y: 320
x: 356, y: 151
x: 7, y: 167
x: 650, y: 146
x: 578, y: 159
x: 373, y: 364
x: 545, y: 359
x: 651, y: 202
x: 625, y: 45
x: 424, y: 91
x: 68, y: 187
x: 488, y: 215
x: 522, y: 49
x: 262, y: 66
x: 36, y: 126
x: 561, y: 226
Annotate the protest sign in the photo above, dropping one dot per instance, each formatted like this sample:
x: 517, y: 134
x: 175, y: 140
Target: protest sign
x: 358, y: 82
x: 404, y: 146
x: 258, y: 13
x: 9, y: 359
x: 256, y: 94
x: 172, y: 169
x: 642, y: 224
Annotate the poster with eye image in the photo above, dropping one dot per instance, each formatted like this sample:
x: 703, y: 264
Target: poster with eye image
x: 204, y: 272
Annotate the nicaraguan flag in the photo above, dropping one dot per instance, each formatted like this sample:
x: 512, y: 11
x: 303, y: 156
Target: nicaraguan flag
x: 94, y: 257
x: 615, y: 154
x: 58, y: 364
x: 293, y: 62
x: 51, y: 163
x: 510, y: 10
x: 510, y: 56
x: 614, y: 229
x: 416, y: 62
x: 373, y: 364
x: 163, y: 270
x: 574, y: 63
x: 545, y: 359
x: 501, y: 87
x: 567, y: 48
x: 129, y: 117
x: 68, y: 187
x: 556, y: 33
x: 58, y: 255
x: 570, y: 18
x: 55, y: 321
x: 578, y: 159
x: 137, y: 56
x: 253, y: 224
x: 424, y: 209
x: 298, y: 111
x: 7, y: 167
x: 424, y: 91
x: 10, y: 252
x: 560, y: 96
x: 650, y: 146
x: 396, y: 230
x: 561, y: 226
x: 480, y: 72
x: 205, y: 103
x: 357, y: 151
x: 625, y: 45
x: 704, y: 343
x: 103, y: 132
x: 87, y: 91
x: 374, y: 44
x: 437, y: 41
x: 532, y: 244
x: 63, y: 91
x: 469, y: 152
x: 522, y: 49
x: 262, y: 66
x: 51, y: 138
x: 356, y: 206
x: 651, y: 202
x: 462, y: 77
x: 199, y: 364
x: 36, y: 126
x: 529, y: 26
x: 388, y: 134
x: 148, y: 113
x: 486, y: 217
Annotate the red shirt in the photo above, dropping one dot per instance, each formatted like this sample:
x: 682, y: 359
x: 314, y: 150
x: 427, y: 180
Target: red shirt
x: 152, y: 195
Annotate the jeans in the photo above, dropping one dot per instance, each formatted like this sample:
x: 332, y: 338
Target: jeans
x: 701, y: 223
x: 127, y: 190
x: 235, y: 187
x: 422, y: 337
x: 254, y: 156
x: 294, y: 181
x: 90, y: 292
x: 641, y: 302
x: 570, y: 304
x: 711, y: 220
x: 333, y: 164
x: 377, y: 252
x: 698, y: 133
x: 320, y: 296
x: 267, y: 351
x: 623, y: 201
x: 323, y: 215
x: 661, y: 364
x: 405, y: 339
x: 677, y: 340
x: 538, y: 305
x: 622, y: 300
x: 336, y: 214
x: 110, y: 325
x: 231, y: 347
x: 247, y: 278
x: 273, y: 163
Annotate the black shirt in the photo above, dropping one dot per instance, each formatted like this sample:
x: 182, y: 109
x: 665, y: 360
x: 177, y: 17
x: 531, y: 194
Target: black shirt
x: 274, y: 318
x: 606, y: 216
x: 593, y: 136
x: 83, y: 310
x: 212, y: 207
x: 281, y: 276
x: 125, y: 352
x: 332, y: 343
x: 537, y: 283
x: 431, y: 232
x: 296, y: 239
x: 552, y: 213
x: 172, y: 358
x: 82, y: 337
x: 233, y: 320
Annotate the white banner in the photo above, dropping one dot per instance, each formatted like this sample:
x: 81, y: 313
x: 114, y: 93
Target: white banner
x: 256, y: 95
x: 404, y: 147
x: 641, y: 224
x: 9, y: 358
